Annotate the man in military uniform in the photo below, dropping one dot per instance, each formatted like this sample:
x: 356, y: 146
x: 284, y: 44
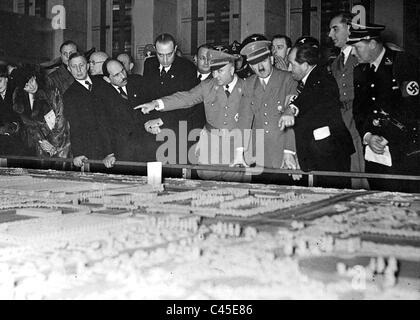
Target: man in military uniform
x: 265, y: 98
x: 221, y: 96
x: 386, y: 108
x: 342, y: 69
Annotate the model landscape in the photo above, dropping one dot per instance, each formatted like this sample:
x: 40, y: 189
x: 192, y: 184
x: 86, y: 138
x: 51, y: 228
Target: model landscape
x: 94, y: 236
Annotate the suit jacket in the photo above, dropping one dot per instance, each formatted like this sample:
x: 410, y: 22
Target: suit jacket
x: 125, y: 125
x: 262, y: 110
x: 182, y: 76
x: 319, y: 107
x: 84, y: 110
x: 10, y: 144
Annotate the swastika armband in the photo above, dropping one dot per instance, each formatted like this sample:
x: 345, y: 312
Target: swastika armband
x: 410, y: 89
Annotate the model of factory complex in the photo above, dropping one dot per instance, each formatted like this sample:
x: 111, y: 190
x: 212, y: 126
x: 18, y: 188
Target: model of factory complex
x: 94, y: 236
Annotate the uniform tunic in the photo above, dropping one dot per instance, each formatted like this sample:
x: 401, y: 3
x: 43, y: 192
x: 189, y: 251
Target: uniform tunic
x: 383, y: 98
x: 216, y: 145
x: 345, y: 80
x: 262, y: 110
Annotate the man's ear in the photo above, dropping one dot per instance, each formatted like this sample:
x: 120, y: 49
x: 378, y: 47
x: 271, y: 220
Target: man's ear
x: 176, y: 49
x: 131, y: 66
x: 107, y: 79
x: 287, y: 52
x: 272, y: 59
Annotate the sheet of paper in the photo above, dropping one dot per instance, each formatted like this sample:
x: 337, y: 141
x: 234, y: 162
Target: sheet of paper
x: 50, y: 119
x: 384, y: 159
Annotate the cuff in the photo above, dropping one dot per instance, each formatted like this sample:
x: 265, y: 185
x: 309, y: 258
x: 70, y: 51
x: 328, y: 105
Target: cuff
x: 294, y: 109
x: 160, y: 106
x: 290, y: 152
x: 366, y: 138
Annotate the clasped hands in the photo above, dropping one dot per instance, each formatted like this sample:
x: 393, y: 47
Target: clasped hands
x: 108, y: 161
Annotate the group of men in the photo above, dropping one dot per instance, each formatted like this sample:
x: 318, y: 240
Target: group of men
x: 260, y: 104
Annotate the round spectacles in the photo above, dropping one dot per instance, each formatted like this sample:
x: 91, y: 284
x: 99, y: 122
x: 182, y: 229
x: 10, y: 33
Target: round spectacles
x: 96, y: 62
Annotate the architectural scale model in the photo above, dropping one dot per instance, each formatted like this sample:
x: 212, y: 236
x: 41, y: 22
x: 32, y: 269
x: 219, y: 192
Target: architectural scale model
x: 93, y: 236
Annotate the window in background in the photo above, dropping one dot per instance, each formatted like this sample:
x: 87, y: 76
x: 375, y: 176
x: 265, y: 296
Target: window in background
x: 122, y: 22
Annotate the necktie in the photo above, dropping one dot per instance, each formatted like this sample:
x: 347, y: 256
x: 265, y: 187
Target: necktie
x: 341, y: 61
x: 163, y: 73
x: 264, y: 85
x: 300, y: 87
x: 227, y: 91
x: 89, y: 85
x: 122, y: 93
x: 372, y: 68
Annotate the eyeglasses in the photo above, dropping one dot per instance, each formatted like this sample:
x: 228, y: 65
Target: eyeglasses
x: 96, y: 62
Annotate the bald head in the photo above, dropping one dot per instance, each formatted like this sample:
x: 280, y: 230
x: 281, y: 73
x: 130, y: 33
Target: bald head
x: 115, y: 73
x: 127, y: 62
x: 96, y: 61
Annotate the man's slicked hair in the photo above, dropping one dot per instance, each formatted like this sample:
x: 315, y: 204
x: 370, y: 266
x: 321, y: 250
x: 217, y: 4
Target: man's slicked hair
x: 105, y: 70
x: 346, y: 17
x: 307, y: 53
x: 68, y: 43
x: 165, y: 38
x: 77, y: 55
x: 289, y: 43
x: 4, y: 73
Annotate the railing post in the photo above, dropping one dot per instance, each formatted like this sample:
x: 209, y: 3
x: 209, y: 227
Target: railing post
x: 310, y: 181
x: 85, y: 167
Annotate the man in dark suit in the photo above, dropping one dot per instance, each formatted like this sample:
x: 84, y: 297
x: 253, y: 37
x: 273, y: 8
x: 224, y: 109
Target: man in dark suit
x: 203, y: 67
x: 10, y: 143
x: 82, y: 108
x: 164, y: 75
x: 323, y: 142
x: 386, y: 108
x: 120, y: 95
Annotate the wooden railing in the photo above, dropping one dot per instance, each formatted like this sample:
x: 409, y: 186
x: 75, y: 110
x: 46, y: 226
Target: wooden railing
x: 187, y: 170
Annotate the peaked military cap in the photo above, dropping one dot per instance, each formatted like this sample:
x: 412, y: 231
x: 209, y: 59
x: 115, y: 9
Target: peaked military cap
x: 219, y: 56
x: 307, y: 40
x: 359, y: 32
x: 256, y: 48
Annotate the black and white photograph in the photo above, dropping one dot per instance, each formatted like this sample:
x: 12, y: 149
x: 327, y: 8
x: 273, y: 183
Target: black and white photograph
x: 209, y: 155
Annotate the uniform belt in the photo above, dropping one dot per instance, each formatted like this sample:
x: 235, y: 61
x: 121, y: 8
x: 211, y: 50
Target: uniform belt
x: 346, y: 105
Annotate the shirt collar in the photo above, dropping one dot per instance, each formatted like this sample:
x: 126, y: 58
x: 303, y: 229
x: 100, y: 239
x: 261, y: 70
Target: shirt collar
x: 233, y: 83
x: 204, y: 76
x: 307, y: 75
x: 378, y: 60
x: 83, y: 82
x: 166, y: 68
x: 266, y: 80
x: 118, y: 88
x: 347, y: 51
